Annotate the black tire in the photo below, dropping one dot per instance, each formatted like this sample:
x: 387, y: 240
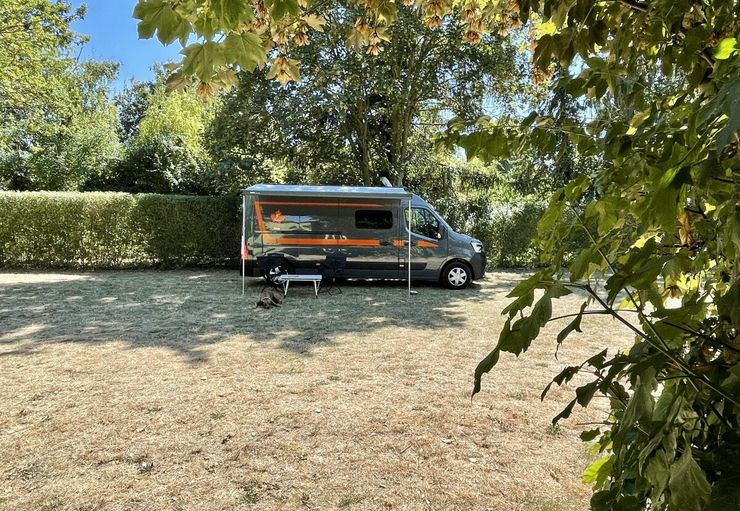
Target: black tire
x: 456, y: 276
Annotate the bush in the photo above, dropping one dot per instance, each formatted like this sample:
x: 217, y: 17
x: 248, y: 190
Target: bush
x: 506, y: 229
x: 116, y: 230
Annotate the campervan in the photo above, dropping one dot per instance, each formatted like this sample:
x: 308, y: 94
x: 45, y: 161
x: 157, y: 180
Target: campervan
x: 367, y: 225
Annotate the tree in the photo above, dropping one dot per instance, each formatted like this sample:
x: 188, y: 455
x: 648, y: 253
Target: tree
x: 35, y: 36
x: 68, y: 137
x: 163, y: 137
x: 358, y: 110
x: 268, y: 132
x: 56, y: 123
x: 665, y: 244
x: 132, y: 103
x: 664, y: 223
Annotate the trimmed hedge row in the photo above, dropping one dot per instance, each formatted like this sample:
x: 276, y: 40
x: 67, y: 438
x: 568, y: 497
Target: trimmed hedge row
x: 121, y: 230
x: 116, y: 230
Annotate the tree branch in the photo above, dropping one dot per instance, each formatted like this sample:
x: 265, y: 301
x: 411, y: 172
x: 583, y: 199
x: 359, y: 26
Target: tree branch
x: 665, y: 350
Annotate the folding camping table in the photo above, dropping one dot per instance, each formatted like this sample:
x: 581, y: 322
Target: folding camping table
x: 286, y: 279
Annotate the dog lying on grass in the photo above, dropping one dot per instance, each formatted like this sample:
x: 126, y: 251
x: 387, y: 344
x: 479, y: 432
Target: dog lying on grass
x: 270, y: 298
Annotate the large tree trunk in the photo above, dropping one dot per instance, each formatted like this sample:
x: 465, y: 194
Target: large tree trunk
x: 356, y: 133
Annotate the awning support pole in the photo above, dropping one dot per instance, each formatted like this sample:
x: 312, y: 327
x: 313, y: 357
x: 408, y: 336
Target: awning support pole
x: 409, y: 258
x: 244, y: 238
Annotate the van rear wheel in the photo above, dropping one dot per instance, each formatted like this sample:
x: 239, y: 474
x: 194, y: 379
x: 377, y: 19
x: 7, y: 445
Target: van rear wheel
x: 456, y: 276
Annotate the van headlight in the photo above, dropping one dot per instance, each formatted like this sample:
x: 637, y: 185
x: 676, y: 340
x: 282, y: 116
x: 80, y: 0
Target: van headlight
x: 477, y: 246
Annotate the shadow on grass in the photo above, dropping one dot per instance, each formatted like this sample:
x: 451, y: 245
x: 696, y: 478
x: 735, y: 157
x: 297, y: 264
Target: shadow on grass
x: 188, y: 310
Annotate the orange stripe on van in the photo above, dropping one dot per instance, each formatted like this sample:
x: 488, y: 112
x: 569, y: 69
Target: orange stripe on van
x: 419, y: 243
x: 426, y: 244
x: 324, y: 242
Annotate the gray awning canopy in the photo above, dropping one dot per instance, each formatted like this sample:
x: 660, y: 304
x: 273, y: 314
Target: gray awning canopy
x: 364, y: 192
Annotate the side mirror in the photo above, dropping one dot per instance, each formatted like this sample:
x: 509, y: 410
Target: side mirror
x: 439, y: 234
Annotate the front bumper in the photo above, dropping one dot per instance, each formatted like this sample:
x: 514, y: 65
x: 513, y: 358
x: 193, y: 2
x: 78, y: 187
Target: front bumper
x: 478, y: 263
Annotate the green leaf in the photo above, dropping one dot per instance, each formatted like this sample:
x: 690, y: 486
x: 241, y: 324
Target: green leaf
x: 281, y: 8
x: 483, y: 367
x: 521, y: 335
x: 159, y: 16
x: 638, y: 119
x: 725, y: 48
x: 640, y: 405
x: 597, y: 361
x: 689, y: 489
x: 585, y: 393
x: 574, y: 325
x: 576, y: 188
x: 585, y: 263
x: 246, y: 50
x: 657, y: 472
x: 590, y: 434
x: 552, y: 215
x: 542, y: 311
x: 202, y: 60
x: 230, y: 14
x: 598, y: 471
x: 565, y: 413
x: 727, y: 98
x: 728, y: 305
x: 528, y: 120
x: 564, y: 376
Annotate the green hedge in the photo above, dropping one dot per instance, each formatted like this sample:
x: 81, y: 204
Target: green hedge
x: 116, y: 230
x: 506, y: 229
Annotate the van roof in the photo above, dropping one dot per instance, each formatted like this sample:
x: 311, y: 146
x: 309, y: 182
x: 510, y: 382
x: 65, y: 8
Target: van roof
x: 329, y: 191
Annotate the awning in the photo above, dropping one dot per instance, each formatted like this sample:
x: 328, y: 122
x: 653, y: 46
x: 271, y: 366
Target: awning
x: 364, y: 192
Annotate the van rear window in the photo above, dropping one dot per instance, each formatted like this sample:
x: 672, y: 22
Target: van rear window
x: 373, y: 219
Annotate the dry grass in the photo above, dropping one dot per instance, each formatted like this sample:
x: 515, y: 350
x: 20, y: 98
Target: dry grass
x: 148, y: 390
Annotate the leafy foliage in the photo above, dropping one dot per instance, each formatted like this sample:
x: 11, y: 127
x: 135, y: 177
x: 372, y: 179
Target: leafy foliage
x: 164, y: 142
x: 35, y: 37
x: 505, y: 228
x: 664, y: 238
x: 56, y: 123
x: 357, y: 110
x: 116, y: 230
x: 67, y: 137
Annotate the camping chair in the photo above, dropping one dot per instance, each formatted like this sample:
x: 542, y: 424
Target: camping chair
x: 271, y: 267
x: 331, y: 270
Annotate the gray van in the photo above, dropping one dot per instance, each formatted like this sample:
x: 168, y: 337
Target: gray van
x: 369, y: 225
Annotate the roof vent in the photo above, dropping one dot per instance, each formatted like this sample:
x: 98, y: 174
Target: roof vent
x: 385, y: 182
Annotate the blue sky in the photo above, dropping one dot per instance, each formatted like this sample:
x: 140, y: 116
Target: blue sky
x: 113, y: 36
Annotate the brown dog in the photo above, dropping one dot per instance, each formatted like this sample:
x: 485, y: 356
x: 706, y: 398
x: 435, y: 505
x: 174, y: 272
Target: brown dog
x: 270, y: 298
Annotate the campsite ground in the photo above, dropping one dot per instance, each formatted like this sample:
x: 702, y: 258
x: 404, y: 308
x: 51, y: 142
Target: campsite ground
x: 168, y: 390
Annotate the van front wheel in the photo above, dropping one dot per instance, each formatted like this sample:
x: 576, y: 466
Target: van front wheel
x: 456, y: 276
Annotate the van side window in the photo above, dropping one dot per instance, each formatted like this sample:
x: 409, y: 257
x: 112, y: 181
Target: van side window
x: 373, y: 219
x: 423, y: 222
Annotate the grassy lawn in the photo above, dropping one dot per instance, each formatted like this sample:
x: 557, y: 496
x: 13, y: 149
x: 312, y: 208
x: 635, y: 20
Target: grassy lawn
x: 169, y: 390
